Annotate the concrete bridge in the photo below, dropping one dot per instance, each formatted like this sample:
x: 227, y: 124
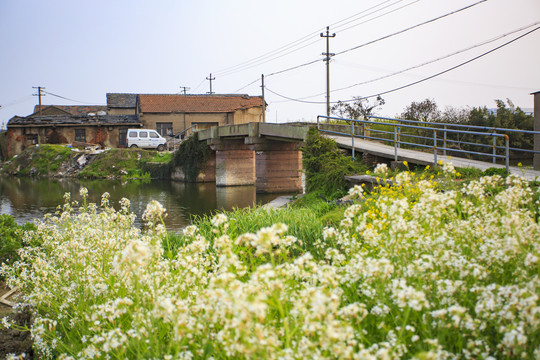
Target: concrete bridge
x: 261, y: 154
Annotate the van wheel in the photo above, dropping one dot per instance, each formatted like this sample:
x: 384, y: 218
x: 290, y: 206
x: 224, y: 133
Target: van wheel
x: 161, y: 147
x: 133, y: 146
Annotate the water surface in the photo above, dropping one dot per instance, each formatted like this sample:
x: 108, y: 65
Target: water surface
x: 27, y: 199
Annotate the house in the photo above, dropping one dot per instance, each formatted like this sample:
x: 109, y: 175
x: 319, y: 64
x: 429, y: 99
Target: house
x: 96, y: 128
x: 174, y: 114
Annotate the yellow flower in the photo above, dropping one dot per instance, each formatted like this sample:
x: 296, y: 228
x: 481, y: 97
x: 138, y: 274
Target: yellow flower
x: 520, y: 164
x: 406, y: 163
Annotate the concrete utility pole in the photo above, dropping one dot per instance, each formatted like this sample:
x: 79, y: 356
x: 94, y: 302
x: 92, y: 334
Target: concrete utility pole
x: 327, y: 59
x: 263, y: 101
x: 185, y: 89
x: 210, y: 79
x: 40, y: 94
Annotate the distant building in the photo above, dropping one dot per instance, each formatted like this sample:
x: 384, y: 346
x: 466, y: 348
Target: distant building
x: 107, y: 125
x: 173, y: 114
x: 94, y: 128
x: 121, y: 104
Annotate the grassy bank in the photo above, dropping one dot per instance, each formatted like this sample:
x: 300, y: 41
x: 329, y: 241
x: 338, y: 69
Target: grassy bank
x: 60, y: 161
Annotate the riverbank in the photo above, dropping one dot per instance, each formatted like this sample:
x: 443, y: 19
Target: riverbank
x: 57, y: 161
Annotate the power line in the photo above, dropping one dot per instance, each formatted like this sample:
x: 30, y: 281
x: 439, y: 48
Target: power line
x: 65, y: 98
x: 264, y: 59
x: 292, y: 44
x: 415, y: 82
x: 382, y: 38
x: 411, y: 28
x: 427, y: 62
x: 15, y: 102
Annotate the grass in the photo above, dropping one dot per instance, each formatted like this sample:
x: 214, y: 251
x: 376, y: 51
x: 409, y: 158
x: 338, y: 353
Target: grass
x: 123, y: 163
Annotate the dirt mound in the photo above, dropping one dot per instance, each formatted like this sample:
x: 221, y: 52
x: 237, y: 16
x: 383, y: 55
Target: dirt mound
x: 14, y: 341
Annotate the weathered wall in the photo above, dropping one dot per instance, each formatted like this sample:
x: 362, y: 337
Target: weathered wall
x: 121, y: 111
x: 18, y: 138
x: 248, y: 115
x: 181, y: 121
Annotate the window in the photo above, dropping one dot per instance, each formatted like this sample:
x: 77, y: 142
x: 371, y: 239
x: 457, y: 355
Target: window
x: 32, y: 139
x: 132, y: 134
x: 164, y: 129
x: 80, y: 135
x: 154, y: 135
x: 143, y: 134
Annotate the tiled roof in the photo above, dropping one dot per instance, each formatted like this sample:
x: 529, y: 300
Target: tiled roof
x: 197, y: 103
x: 73, y: 109
x: 59, y: 120
x: 119, y: 100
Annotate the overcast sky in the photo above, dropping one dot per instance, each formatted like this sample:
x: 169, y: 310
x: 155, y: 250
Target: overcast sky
x: 83, y: 49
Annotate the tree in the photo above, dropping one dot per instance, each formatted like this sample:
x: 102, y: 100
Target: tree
x: 359, y: 108
x: 454, y: 115
x: 426, y: 111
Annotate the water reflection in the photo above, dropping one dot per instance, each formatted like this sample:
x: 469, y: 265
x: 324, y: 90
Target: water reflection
x: 27, y: 199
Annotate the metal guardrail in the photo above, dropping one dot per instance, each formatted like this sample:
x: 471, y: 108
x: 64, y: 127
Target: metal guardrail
x: 176, y: 139
x: 397, y: 135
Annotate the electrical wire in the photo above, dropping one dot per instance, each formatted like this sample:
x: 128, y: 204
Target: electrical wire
x: 427, y: 62
x: 263, y: 60
x: 15, y: 102
x: 410, y: 28
x: 292, y: 44
x: 415, y: 82
x: 243, y: 87
x: 78, y: 101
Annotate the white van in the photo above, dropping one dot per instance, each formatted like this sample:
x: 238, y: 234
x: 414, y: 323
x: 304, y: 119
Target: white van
x: 145, y: 138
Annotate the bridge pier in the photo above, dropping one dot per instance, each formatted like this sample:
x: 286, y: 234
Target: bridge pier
x: 278, y: 166
x: 235, y: 163
x: 265, y: 155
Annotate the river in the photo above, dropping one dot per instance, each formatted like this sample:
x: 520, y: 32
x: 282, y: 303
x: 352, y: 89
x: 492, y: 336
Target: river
x: 27, y: 199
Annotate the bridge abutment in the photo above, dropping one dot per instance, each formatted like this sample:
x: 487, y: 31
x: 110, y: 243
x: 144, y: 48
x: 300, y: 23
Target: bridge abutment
x: 235, y: 163
x: 278, y: 166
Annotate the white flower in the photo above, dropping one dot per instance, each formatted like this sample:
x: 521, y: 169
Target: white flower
x: 381, y: 169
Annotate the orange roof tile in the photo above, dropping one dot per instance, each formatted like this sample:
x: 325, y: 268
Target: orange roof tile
x: 197, y: 103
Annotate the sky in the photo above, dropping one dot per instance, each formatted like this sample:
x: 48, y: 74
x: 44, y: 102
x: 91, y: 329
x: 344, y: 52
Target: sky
x: 81, y: 50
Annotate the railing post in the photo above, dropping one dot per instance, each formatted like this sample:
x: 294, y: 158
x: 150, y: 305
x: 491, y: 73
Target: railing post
x: 434, y: 147
x: 399, y: 136
x: 318, y: 122
x: 352, y: 138
x: 507, y: 151
x: 444, y: 141
x: 494, y: 159
x: 395, y: 143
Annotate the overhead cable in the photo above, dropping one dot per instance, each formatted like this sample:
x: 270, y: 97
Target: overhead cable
x: 293, y: 43
x: 65, y: 98
x: 415, y: 82
x: 410, y: 28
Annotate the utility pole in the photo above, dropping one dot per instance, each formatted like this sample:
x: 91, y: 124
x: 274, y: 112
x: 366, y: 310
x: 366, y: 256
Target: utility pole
x: 185, y: 89
x: 40, y: 94
x: 328, y: 54
x: 210, y: 79
x: 263, y: 101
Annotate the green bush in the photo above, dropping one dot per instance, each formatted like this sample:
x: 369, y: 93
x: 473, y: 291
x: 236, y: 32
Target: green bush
x: 11, y: 238
x: 191, y: 156
x: 326, y: 165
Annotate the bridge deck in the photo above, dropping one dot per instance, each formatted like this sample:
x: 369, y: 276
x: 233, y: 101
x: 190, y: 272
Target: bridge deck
x: 424, y: 158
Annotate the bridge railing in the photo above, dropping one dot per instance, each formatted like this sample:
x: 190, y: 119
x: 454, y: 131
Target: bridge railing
x: 435, y: 142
